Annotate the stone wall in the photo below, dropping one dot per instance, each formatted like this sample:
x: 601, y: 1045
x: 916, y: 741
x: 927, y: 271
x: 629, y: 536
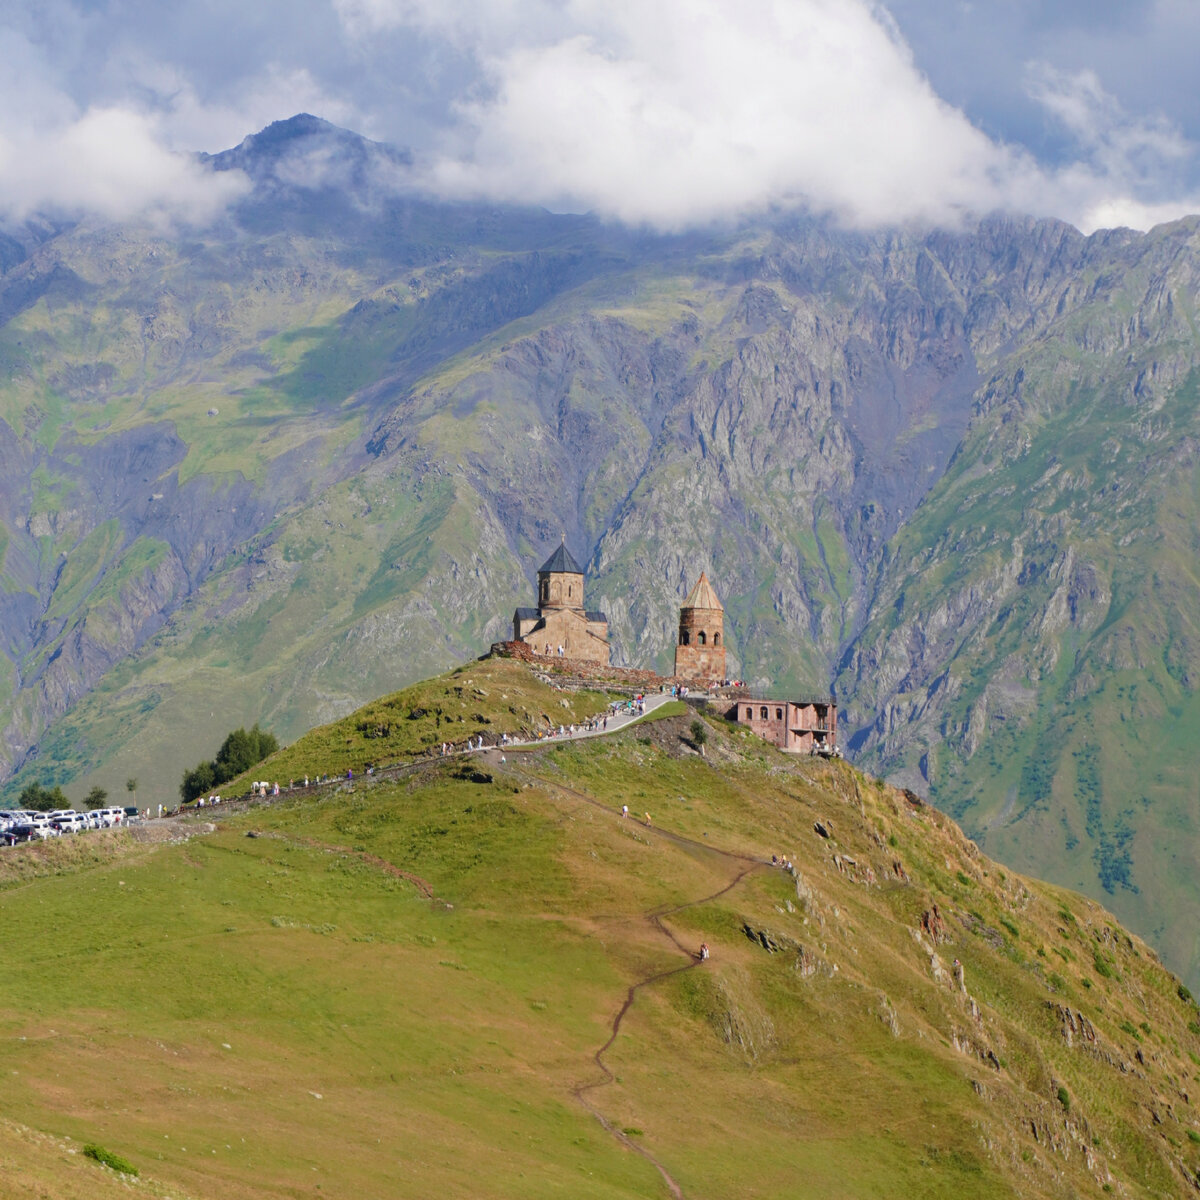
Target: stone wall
x: 582, y: 671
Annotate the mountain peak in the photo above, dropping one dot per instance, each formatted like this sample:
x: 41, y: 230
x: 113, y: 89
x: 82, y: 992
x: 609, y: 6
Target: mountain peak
x: 283, y: 146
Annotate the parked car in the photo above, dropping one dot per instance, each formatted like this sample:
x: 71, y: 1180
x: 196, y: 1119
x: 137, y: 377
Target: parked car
x: 8, y: 837
x: 132, y: 812
x: 38, y: 826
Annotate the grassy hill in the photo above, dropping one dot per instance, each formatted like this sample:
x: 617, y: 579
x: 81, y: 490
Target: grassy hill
x: 950, y: 474
x: 476, y: 978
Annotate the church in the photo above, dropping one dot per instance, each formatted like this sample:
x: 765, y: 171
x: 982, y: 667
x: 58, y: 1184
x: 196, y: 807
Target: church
x: 560, y: 624
x: 700, y: 648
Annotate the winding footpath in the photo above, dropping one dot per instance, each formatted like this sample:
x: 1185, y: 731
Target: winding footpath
x: 742, y: 865
x: 745, y: 865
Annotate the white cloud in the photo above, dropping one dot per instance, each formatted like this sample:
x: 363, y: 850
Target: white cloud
x: 191, y: 122
x: 671, y: 113
x: 663, y: 112
x: 668, y: 114
x: 1122, y: 159
x: 109, y: 161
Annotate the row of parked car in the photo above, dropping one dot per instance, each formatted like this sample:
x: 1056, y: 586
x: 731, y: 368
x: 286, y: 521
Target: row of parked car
x: 20, y: 825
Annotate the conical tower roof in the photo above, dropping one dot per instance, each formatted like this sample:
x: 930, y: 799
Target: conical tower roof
x: 703, y: 596
x: 559, y: 562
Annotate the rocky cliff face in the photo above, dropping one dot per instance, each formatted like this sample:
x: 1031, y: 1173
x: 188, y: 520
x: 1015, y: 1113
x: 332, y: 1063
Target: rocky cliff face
x: 272, y: 469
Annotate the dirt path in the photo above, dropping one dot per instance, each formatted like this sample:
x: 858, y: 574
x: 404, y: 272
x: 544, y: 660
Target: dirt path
x: 745, y: 865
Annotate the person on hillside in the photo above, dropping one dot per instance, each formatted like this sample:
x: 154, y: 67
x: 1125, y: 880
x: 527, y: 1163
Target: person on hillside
x: 647, y: 818
x: 703, y: 951
x: 624, y: 810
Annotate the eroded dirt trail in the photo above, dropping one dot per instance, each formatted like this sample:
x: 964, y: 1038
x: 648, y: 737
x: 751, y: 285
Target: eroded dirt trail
x: 742, y: 865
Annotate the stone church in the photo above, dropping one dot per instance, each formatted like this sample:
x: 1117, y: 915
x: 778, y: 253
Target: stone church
x: 560, y: 624
x: 700, y: 647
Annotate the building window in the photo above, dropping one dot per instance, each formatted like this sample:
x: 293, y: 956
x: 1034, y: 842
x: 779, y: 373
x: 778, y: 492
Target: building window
x: 763, y: 712
x: 684, y: 637
x: 570, y: 592
x: 545, y: 591
x: 716, y: 639
x: 703, y: 639
x: 749, y: 714
x: 779, y: 714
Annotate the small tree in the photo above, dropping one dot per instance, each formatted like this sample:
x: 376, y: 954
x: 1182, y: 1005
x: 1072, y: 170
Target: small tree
x: 95, y: 798
x: 240, y: 750
x: 43, y: 799
x: 699, y: 735
x: 131, y: 787
x: 200, y: 780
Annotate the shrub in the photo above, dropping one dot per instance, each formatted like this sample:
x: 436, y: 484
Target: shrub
x: 1102, y: 968
x: 1012, y: 929
x: 1184, y: 994
x: 699, y: 733
x: 1064, y: 1098
x: 107, y: 1158
x: 95, y: 798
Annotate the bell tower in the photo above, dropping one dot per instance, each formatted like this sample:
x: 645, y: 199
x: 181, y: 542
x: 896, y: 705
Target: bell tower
x: 560, y: 582
x: 700, y: 647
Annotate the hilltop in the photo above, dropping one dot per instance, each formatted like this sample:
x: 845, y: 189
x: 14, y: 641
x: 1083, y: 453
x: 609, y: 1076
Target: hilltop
x: 474, y: 975
x: 949, y: 473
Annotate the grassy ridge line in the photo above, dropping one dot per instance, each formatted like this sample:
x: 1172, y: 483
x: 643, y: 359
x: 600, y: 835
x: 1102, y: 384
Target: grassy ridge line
x: 487, y: 697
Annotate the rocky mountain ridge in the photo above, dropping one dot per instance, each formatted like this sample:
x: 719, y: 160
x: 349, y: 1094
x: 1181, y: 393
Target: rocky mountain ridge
x: 269, y: 470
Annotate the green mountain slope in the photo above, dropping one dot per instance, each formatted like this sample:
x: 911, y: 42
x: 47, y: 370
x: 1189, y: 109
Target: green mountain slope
x: 409, y: 987
x: 1032, y: 656
x: 268, y: 470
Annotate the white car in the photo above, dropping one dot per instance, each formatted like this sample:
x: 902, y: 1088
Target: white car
x: 41, y: 826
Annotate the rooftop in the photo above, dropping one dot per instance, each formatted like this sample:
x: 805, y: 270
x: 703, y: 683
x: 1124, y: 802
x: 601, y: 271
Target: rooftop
x: 703, y: 596
x: 559, y: 562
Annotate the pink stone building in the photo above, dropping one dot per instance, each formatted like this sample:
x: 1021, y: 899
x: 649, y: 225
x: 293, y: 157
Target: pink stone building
x: 797, y: 726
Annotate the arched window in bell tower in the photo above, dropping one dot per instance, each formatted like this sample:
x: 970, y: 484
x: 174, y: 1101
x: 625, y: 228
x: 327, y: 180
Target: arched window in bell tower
x: 685, y: 638
x: 703, y: 638
x: 716, y: 639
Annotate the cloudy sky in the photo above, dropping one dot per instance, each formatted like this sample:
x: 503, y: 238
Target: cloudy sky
x: 661, y: 112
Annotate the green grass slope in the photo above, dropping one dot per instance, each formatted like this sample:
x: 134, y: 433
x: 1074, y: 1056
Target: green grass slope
x: 475, y: 978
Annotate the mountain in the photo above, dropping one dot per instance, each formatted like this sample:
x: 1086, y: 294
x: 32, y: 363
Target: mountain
x: 472, y: 974
x: 275, y: 468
